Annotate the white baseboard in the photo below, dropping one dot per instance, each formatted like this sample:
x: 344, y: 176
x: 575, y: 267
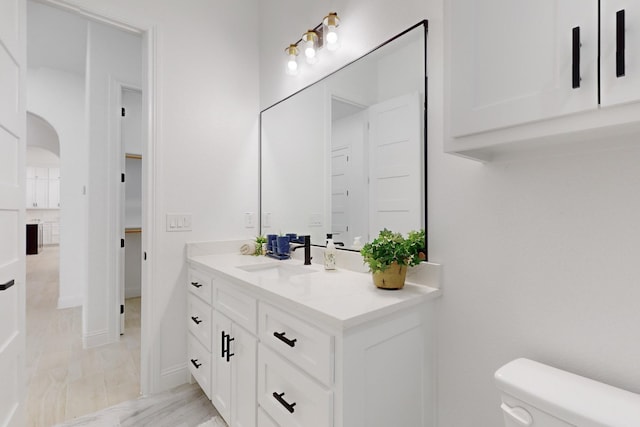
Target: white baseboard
x: 70, y: 301
x: 95, y: 339
x: 174, y: 376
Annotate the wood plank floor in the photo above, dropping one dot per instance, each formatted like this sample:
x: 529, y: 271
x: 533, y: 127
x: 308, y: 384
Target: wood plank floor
x: 185, y: 406
x: 64, y: 380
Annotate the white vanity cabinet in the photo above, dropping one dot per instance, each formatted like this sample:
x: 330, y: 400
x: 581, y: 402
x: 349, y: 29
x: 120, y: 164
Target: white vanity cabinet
x: 540, y: 72
x: 275, y: 362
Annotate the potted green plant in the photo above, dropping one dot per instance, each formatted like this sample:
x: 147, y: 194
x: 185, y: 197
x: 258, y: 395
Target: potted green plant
x: 261, y: 241
x: 389, y: 255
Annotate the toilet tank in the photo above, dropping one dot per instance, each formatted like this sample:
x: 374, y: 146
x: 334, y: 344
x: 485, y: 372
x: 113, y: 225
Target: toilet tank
x: 538, y: 395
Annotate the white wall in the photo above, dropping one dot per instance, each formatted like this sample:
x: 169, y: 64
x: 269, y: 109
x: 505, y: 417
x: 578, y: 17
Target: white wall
x: 539, y: 256
x: 58, y: 96
x: 206, y: 153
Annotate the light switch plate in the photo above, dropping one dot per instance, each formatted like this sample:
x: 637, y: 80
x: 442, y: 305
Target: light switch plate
x: 179, y: 222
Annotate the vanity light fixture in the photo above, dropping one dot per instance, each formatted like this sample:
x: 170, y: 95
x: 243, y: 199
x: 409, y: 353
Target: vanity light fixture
x: 325, y: 33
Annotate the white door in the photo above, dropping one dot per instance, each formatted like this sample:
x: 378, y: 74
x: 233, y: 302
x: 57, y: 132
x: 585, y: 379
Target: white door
x: 12, y: 208
x: 512, y: 62
x: 620, y: 44
x: 396, y: 176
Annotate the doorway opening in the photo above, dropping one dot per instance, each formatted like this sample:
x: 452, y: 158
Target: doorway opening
x: 104, y: 351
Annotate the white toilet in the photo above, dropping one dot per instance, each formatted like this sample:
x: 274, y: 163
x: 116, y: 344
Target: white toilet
x: 538, y: 395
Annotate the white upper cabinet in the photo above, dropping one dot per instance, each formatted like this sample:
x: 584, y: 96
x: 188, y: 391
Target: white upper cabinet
x: 512, y: 62
x: 620, y: 46
x: 527, y: 72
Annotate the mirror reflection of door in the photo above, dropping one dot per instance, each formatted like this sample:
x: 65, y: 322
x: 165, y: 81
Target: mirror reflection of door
x: 396, y: 169
x: 373, y: 157
x: 349, y: 215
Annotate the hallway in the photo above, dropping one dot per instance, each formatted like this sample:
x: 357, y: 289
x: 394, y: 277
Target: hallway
x: 65, y: 381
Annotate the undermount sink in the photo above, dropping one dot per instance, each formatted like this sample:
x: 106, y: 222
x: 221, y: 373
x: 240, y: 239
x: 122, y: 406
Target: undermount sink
x: 276, y: 270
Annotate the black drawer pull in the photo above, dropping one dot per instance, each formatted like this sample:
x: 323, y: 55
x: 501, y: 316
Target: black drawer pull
x: 620, y: 43
x: 196, y: 285
x: 575, y: 60
x: 7, y: 285
x: 195, y: 363
x: 287, y: 341
x: 196, y: 320
x: 287, y: 405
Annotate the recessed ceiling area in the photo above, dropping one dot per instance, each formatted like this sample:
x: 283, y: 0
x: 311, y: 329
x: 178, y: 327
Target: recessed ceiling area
x: 55, y: 38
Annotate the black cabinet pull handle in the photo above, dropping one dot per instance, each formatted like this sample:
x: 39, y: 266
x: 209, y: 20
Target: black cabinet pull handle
x: 196, y: 320
x: 229, y: 354
x: 195, y: 363
x: 196, y: 285
x: 575, y: 61
x: 7, y: 285
x: 224, y: 340
x: 287, y: 341
x: 287, y: 405
x: 620, y: 43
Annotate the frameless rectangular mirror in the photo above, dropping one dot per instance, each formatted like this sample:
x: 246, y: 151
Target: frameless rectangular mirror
x: 347, y: 154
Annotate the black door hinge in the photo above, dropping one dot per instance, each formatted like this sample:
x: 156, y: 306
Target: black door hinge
x: 122, y: 243
x: 123, y: 112
x: 121, y: 308
x: 121, y: 177
x: 145, y: 256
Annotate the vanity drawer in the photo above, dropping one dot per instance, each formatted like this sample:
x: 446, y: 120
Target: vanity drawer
x: 306, y: 346
x: 199, y: 361
x: 238, y: 306
x: 290, y: 397
x: 200, y: 285
x: 199, y: 320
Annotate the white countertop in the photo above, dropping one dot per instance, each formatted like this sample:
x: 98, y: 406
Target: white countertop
x: 342, y: 298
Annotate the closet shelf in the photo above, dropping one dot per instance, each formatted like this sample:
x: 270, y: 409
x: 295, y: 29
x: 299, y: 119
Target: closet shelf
x: 129, y: 230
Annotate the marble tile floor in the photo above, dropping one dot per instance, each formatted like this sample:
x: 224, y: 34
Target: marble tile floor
x: 64, y: 380
x: 184, y: 406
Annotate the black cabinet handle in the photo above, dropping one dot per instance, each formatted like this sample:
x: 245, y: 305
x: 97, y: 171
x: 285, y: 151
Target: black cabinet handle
x: 620, y: 43
x: 226, y: 346
x: 229, y: 354
x: 575, y: 61
x: 7, y: 285
x: 196, y: 285
x: 224, y: 340
x: 195, y: 363
x: 287, y: 341
x: 196, y: 320
x: 287, y: 405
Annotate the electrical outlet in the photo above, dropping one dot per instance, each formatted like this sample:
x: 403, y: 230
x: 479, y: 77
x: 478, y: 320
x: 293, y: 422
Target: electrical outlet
x: 315, y: 220
x: 266, y: 220
x: 249, y: 220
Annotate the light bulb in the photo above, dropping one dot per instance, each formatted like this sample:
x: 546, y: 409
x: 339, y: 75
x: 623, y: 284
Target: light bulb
x: 292, y: 62
x: 332, y: 35
x: 310, y: 50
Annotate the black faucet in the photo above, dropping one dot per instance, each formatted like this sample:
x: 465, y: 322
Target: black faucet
x: 306, y: 244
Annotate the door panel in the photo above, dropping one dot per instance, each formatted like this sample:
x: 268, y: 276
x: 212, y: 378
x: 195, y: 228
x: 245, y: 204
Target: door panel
x: 12, y: 208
